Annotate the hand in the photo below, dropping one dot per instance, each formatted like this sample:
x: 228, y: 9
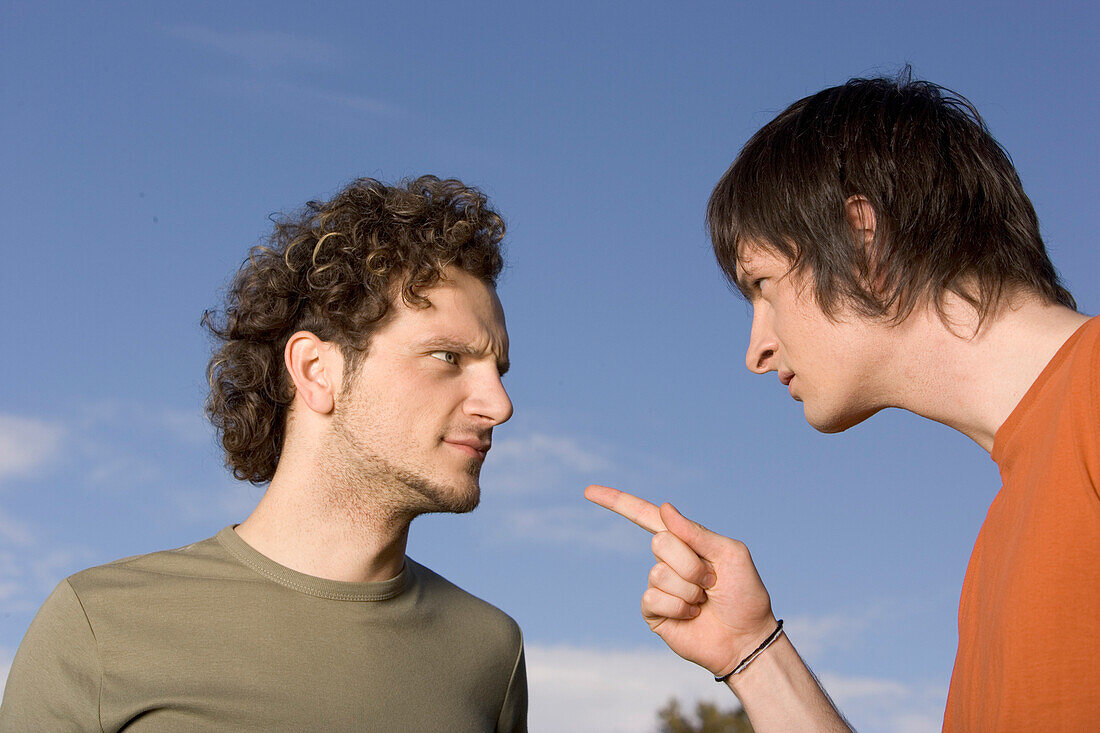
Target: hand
x: 705, y: 598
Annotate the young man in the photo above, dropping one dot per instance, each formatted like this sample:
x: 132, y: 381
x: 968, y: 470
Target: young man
x: 892, y: 259
x: 359, y: 373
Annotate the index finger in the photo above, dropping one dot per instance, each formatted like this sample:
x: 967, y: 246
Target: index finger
x: 641, y: 512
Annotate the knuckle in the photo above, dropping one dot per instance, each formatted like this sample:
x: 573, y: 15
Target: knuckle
x: 657, y: 574
x: 737, y: 551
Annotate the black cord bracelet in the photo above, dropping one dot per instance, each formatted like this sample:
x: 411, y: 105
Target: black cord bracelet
x: 745, y: 662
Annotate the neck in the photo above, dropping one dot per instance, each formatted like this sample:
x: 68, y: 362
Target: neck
x: 973, y: 382
x: 325, y: 525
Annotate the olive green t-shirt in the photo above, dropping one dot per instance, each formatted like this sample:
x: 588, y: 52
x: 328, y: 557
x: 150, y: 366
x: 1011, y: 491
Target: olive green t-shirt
x: 215, y: 636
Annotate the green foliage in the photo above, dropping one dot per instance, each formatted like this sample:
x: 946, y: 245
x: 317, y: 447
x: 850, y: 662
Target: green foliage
x: 708, y: 719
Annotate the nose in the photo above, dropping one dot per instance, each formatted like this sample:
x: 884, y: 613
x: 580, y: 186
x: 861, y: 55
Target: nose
x: 489, y: 400
x: 763, y: 344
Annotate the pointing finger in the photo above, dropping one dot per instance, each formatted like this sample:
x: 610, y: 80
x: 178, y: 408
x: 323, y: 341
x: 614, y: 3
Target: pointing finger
x: 641, y: 512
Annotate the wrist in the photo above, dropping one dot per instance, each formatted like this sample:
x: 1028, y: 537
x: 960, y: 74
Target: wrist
x: 779, y: 692
x: 743, y: 661
x: 765, y: 669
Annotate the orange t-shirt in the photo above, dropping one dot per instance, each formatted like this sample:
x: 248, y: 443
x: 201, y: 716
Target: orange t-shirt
x: 1029, y: 617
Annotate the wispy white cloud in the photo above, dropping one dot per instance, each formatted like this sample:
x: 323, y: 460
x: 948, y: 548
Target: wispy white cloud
x: 612, y: 690
x: 108, y: 445
x: 540, y: 462
x: 15, y: 532
x: 263, y: 51
x: 606, y: 690
x: 189, y: 426
x: 260, y: 49
x: 890, y: 706
x: 28, y: 574
x: 27, y: 444
x: 222, y: 502
x: 264, y: 89
x: 186, y: 425
x: 817, y: 634
x: 573, y: 525
x: 541, y: 448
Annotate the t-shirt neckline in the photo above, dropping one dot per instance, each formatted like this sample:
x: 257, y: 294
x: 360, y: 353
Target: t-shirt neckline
x: 337, y: 590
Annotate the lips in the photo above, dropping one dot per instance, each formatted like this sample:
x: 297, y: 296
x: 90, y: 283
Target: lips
x: 472, y: 446
x: 785, y: 378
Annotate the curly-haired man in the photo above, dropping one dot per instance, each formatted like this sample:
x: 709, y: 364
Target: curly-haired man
x: 359, y: 374
x: 892, y: 259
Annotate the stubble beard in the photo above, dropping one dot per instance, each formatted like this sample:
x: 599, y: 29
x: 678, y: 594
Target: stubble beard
x: 367, y: 483
x: 438, y: 498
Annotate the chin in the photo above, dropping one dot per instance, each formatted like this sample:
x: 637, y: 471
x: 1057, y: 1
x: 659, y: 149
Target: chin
x: 460, y: 497
x: 836, y: 421
x: 434, y: 495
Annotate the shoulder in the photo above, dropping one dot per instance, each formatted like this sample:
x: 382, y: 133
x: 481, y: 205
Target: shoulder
x: 464, y: 608
x: 206, y: 559
x: 1083, y: 360
x: 1089, y: 336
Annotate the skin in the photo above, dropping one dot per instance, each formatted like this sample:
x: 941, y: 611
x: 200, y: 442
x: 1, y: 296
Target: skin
x: 403, y: 435
x: 832, y: 366
x: 705, y: 598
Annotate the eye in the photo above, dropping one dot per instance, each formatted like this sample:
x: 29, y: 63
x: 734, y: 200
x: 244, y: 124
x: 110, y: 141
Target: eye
x: 448, y: 356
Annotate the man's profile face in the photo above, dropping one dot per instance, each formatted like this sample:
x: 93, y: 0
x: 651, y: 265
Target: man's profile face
x: 835, y: 368
x: 417, y: 417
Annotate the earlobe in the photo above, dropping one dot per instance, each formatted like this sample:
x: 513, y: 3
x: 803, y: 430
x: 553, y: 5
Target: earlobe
x: 310, y: 362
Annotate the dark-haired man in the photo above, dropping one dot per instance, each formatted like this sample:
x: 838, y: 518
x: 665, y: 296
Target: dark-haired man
x: 892, y: 259
x: 360, y: 374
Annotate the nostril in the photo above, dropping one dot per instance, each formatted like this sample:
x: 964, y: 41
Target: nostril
x: 761, y: 361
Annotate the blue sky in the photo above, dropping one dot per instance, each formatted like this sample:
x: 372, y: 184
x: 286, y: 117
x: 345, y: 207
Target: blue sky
x: 146, y: 145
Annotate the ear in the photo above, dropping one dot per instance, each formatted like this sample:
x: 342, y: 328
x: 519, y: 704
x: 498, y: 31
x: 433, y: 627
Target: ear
x: 861, y: 218
x: 316, y: 368
x: 864, y: 224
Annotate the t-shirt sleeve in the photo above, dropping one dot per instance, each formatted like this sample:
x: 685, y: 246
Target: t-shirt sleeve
x: 54, y: 682
x: 513, y: 714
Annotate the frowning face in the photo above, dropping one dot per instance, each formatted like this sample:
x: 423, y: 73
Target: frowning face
x: 835, y: 368
x: 416, y: 419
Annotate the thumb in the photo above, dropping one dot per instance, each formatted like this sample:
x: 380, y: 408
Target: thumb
x: 705, y: 543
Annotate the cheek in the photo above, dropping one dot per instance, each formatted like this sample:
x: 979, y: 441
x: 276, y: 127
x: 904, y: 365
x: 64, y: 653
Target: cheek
x: 430, y: 397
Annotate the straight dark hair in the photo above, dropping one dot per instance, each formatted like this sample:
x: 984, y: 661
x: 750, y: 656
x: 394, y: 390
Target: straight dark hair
x: 951, y: 213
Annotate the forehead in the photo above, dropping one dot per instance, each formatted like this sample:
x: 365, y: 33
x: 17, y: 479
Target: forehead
x: 752, y: 254
x: 754, y: 260
x: 462, y: 307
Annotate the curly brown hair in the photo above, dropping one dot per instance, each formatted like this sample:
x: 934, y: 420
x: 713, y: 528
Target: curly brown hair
x: 335, y: 269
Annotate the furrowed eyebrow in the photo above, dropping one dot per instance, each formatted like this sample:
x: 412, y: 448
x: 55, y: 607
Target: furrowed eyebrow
x: 742, y: 282
x: 459, y: 347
